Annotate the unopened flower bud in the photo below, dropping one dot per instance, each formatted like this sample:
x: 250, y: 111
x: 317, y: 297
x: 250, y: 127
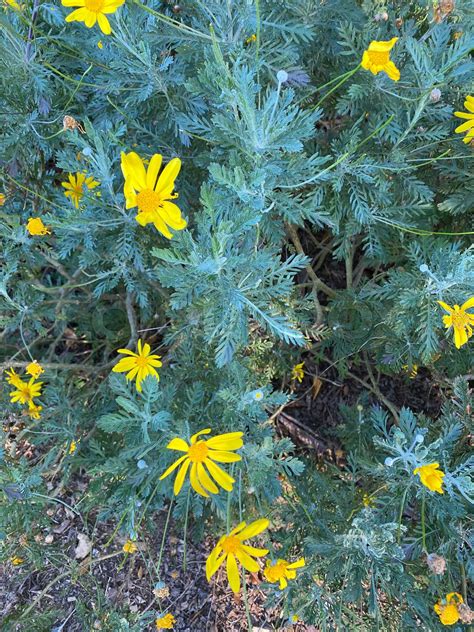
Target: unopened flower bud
x: 424, y: 268
x: 435, y: 95
x: 282, y: 76
x: 419, y: 438
x: 388, y: 462
x: 399, y: 23
x: 436, y: 563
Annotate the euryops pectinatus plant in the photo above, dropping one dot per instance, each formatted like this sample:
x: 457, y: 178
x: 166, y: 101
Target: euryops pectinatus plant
x: 213, y: 211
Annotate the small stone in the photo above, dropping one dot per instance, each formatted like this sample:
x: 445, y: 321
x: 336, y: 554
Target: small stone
x: 49, y: 539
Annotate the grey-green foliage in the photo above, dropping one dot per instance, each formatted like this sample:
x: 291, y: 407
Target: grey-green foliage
x: 380, y: 189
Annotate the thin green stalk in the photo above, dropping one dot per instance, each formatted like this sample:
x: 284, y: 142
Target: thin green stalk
x: 246, y: 601
x: 167, y: 20
x: 165, y: 530
x: 186, y: 528
x: 423, y: 526
x: 343, y: 80
x: 400, y: 515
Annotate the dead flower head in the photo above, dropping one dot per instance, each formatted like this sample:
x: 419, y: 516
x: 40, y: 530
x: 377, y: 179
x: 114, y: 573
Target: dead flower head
x: 70, y: 123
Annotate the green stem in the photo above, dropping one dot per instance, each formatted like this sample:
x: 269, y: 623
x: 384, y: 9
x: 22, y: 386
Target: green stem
x: 246, y: 601
x: 400, y: 515
x: 165, y: 530
x: 186, y: 528
x: 338, y: 84
x: 423, y: 526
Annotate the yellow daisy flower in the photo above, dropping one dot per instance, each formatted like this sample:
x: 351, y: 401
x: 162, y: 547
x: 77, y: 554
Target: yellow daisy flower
x: 468, y: 126
x: 25, y: 392
x: 282, y: 570
x: 75, y: 186
x: 151, y: 192
x: 92, y: 11
x: 139, y: 365
x: 165, y: 623
x: 297, y: 372
x: 35, y: 226
x: 16, y: 561
x: 34, y: 369
x: 460, y: 320
x: 377, y: 59
x: 447, y: 609
x: 204, y: 453
x: 231, y: 547
x: 431, y: 477
x: 130, y: 547
x: 33, y: 411
x: 3, y: 199
x: 13, y: 378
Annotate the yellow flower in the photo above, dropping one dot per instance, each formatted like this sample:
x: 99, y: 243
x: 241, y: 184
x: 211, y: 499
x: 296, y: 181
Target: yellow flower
x: 139, y: 365
x: 460, y: 320
x: 297, y: 372
x: 35, y: 226
x: 431, y: 477
x: 34, y: 369
x: 92, y: 11
x: 129, y: 547
x: 12, y: 4
x: 447, y: 609
x: 411, y: 370
x: 165, y: 623
x: 258, y: 395
x: 468, y: 126
x: 25, y: 392
x: 13, y: 378
x: 75, y: 186
x: 16, y: 561
x: 72, y: 447
x: 368, y: 501
x: 282, y: 570
x: 100, y: 45
x: 203, y: 453
x: 377, y: 59
x: 151, y: 193
x: 33, y: 411
x: 252, y: 38
x: 231, y: 547
x: 3, y: 199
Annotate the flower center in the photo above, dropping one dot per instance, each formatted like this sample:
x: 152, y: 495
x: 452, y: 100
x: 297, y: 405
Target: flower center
x: 148, y: 201
x: 276, y: 572
x: 459, y: 318
x: 141, y: 361
x: 198, y: 452
x: 25, y: 391
x: 231, y: 544
x: 94, y: 5
x: 379, y: 58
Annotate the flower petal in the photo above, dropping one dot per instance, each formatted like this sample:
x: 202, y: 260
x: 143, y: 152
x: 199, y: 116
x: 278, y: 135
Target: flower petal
x: 197, y: 434
x: 104, y: 24
x: 195, y: 484
x: 254, y: 528
x: 180, y: 476
x: 468, y: 304
x: 173, y: 467
x: 213, y: 563
x: 228, y: 441
x: 247, y: 562
x: 252, y: 550
x: 224, y: 457
x: 205, y: 480
x: 165, y: 184
x: 221, y: 477
x: 153, y: 171
x: 233, y: 573
x: 446, y: 307
x: 178, y: 444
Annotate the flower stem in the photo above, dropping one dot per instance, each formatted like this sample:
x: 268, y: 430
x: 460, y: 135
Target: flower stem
x: 186, y: 528
x: 160, y: 555
x: 339, y: 83
x: 423, y: 527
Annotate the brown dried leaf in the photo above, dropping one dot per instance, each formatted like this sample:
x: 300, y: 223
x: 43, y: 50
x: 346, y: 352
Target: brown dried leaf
x: 316, y: 387
x: 83, y: 547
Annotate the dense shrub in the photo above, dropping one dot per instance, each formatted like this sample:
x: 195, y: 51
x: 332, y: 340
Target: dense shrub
x: 324, y: 211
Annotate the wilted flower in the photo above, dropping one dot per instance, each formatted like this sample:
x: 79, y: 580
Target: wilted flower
x: 431, y: 477
x: 204, y: 453
x: 139, y: 365
x: 129, y: 547
x: 161, y: 591
x: 281, y: 571
x: 34, y: 369
x: 377, y: 59
x: 436, y: 563
x: 231, y: 547
x: 165, y: 623
x: 75, y: 186
x: 151, y: 192
x: 468, y: 126
x: 92, y: 11
x: 70, y: 123
x: 35, y: 226
x: 459, y: 319
x: 3, y: 198
x: 252, y: 38
x: 447, y: 609
x: 466, y: 615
